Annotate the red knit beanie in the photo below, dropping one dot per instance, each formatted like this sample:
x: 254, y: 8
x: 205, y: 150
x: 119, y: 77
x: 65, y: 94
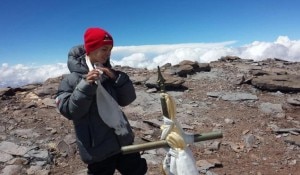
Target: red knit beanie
x: 95, y: 38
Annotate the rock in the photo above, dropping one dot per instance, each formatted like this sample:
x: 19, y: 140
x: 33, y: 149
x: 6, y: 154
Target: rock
x: 31, y: 96
x: 240, y: 79
x: 12, y: 170
x: 154, y: 122
x: 283, y: 83
x: 188, y: 62
x: 184, y: 70
x: 287, y: 130
x: 34, y: 170
x: 46, y: 90
x: 25, y: 133
x: 203, y: 67
x: 38, y: 155
x: 49, y: 87
x: 270, y: 108
x: 294, y: 140
x: 229, y: 58
x: 249, y: 140
x: 292, y: 162
x: 13, y: 149
x: 70, y: 139
x: 139, y: 79
x: 139, y: 125
x: 81, y: 172
x: 186, y: 67
x: 229, y: 121
x: 152, y: 159
x: 48, y: 102
x: 214, y: 146
x: 6, y: 92
x: 4, y: 157
x: 167, y: 65
x: 215, y: 94
x: 18, y: 161
x: 30, y: 105
x: 236, y: 147
x: 210, y: 173
x: 29, y: 87
x: 227, y: 96
x: 63, y: 147
x: 152, y: 90
x: 207, y: 164
x: 238, y: 97
x: 170, y: 83
x: 294, y: 101
x: 2, y: 128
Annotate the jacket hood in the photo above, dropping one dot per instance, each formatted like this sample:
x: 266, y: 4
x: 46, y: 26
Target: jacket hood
x: 76, y: 60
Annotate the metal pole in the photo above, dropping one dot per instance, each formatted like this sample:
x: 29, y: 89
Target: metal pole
x: 162, y: 143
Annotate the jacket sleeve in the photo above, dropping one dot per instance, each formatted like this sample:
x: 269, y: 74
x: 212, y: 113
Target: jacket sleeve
x: 74, y: 103
x: 125, y: 89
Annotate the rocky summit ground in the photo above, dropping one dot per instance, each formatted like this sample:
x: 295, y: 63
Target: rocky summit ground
x: 256, y: 105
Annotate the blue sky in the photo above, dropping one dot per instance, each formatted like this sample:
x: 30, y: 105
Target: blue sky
x: 36, y: 35
x: 41, y: 32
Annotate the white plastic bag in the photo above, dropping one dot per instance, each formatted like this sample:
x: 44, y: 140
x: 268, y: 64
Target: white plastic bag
x: 110, y: 111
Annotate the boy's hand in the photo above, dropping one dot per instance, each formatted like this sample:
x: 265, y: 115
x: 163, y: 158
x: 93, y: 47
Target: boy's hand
x: 92, y: 76
x: 109, y: 72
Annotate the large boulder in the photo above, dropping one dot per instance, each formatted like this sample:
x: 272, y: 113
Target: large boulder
x: 49, y: 87
x: 187, y: 67
x: 171, y: 82
x: 283, y: 83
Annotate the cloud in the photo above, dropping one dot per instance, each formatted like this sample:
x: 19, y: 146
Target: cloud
x: 18, y: 75
x: 151, y: 56
x: 283, y: 48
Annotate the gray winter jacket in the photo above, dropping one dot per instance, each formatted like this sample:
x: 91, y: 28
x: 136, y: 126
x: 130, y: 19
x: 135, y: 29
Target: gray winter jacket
x: 76, y: 100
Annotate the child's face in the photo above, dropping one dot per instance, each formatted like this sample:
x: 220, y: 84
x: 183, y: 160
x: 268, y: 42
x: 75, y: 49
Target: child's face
x: 101, y: 54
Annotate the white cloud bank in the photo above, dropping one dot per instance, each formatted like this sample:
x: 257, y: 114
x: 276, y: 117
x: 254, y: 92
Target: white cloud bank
x: 18, y: 75
x: 151, y: 56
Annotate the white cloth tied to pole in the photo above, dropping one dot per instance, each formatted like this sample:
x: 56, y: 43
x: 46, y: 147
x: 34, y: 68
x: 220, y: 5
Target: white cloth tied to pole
x: 108, y: 108
x: 179, y: 160
x: 169, y: 125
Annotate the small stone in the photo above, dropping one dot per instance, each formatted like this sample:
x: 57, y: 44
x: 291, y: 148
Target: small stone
x: 292, y: 162
x: 249, y: 140
x: 53, y: 131
x: 18, y: 161
x: 214, y: 146
x: 229, y: 121
x: 245, y: 132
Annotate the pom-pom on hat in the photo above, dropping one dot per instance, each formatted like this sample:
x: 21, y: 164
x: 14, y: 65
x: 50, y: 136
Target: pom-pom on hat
x: 95, y: 38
